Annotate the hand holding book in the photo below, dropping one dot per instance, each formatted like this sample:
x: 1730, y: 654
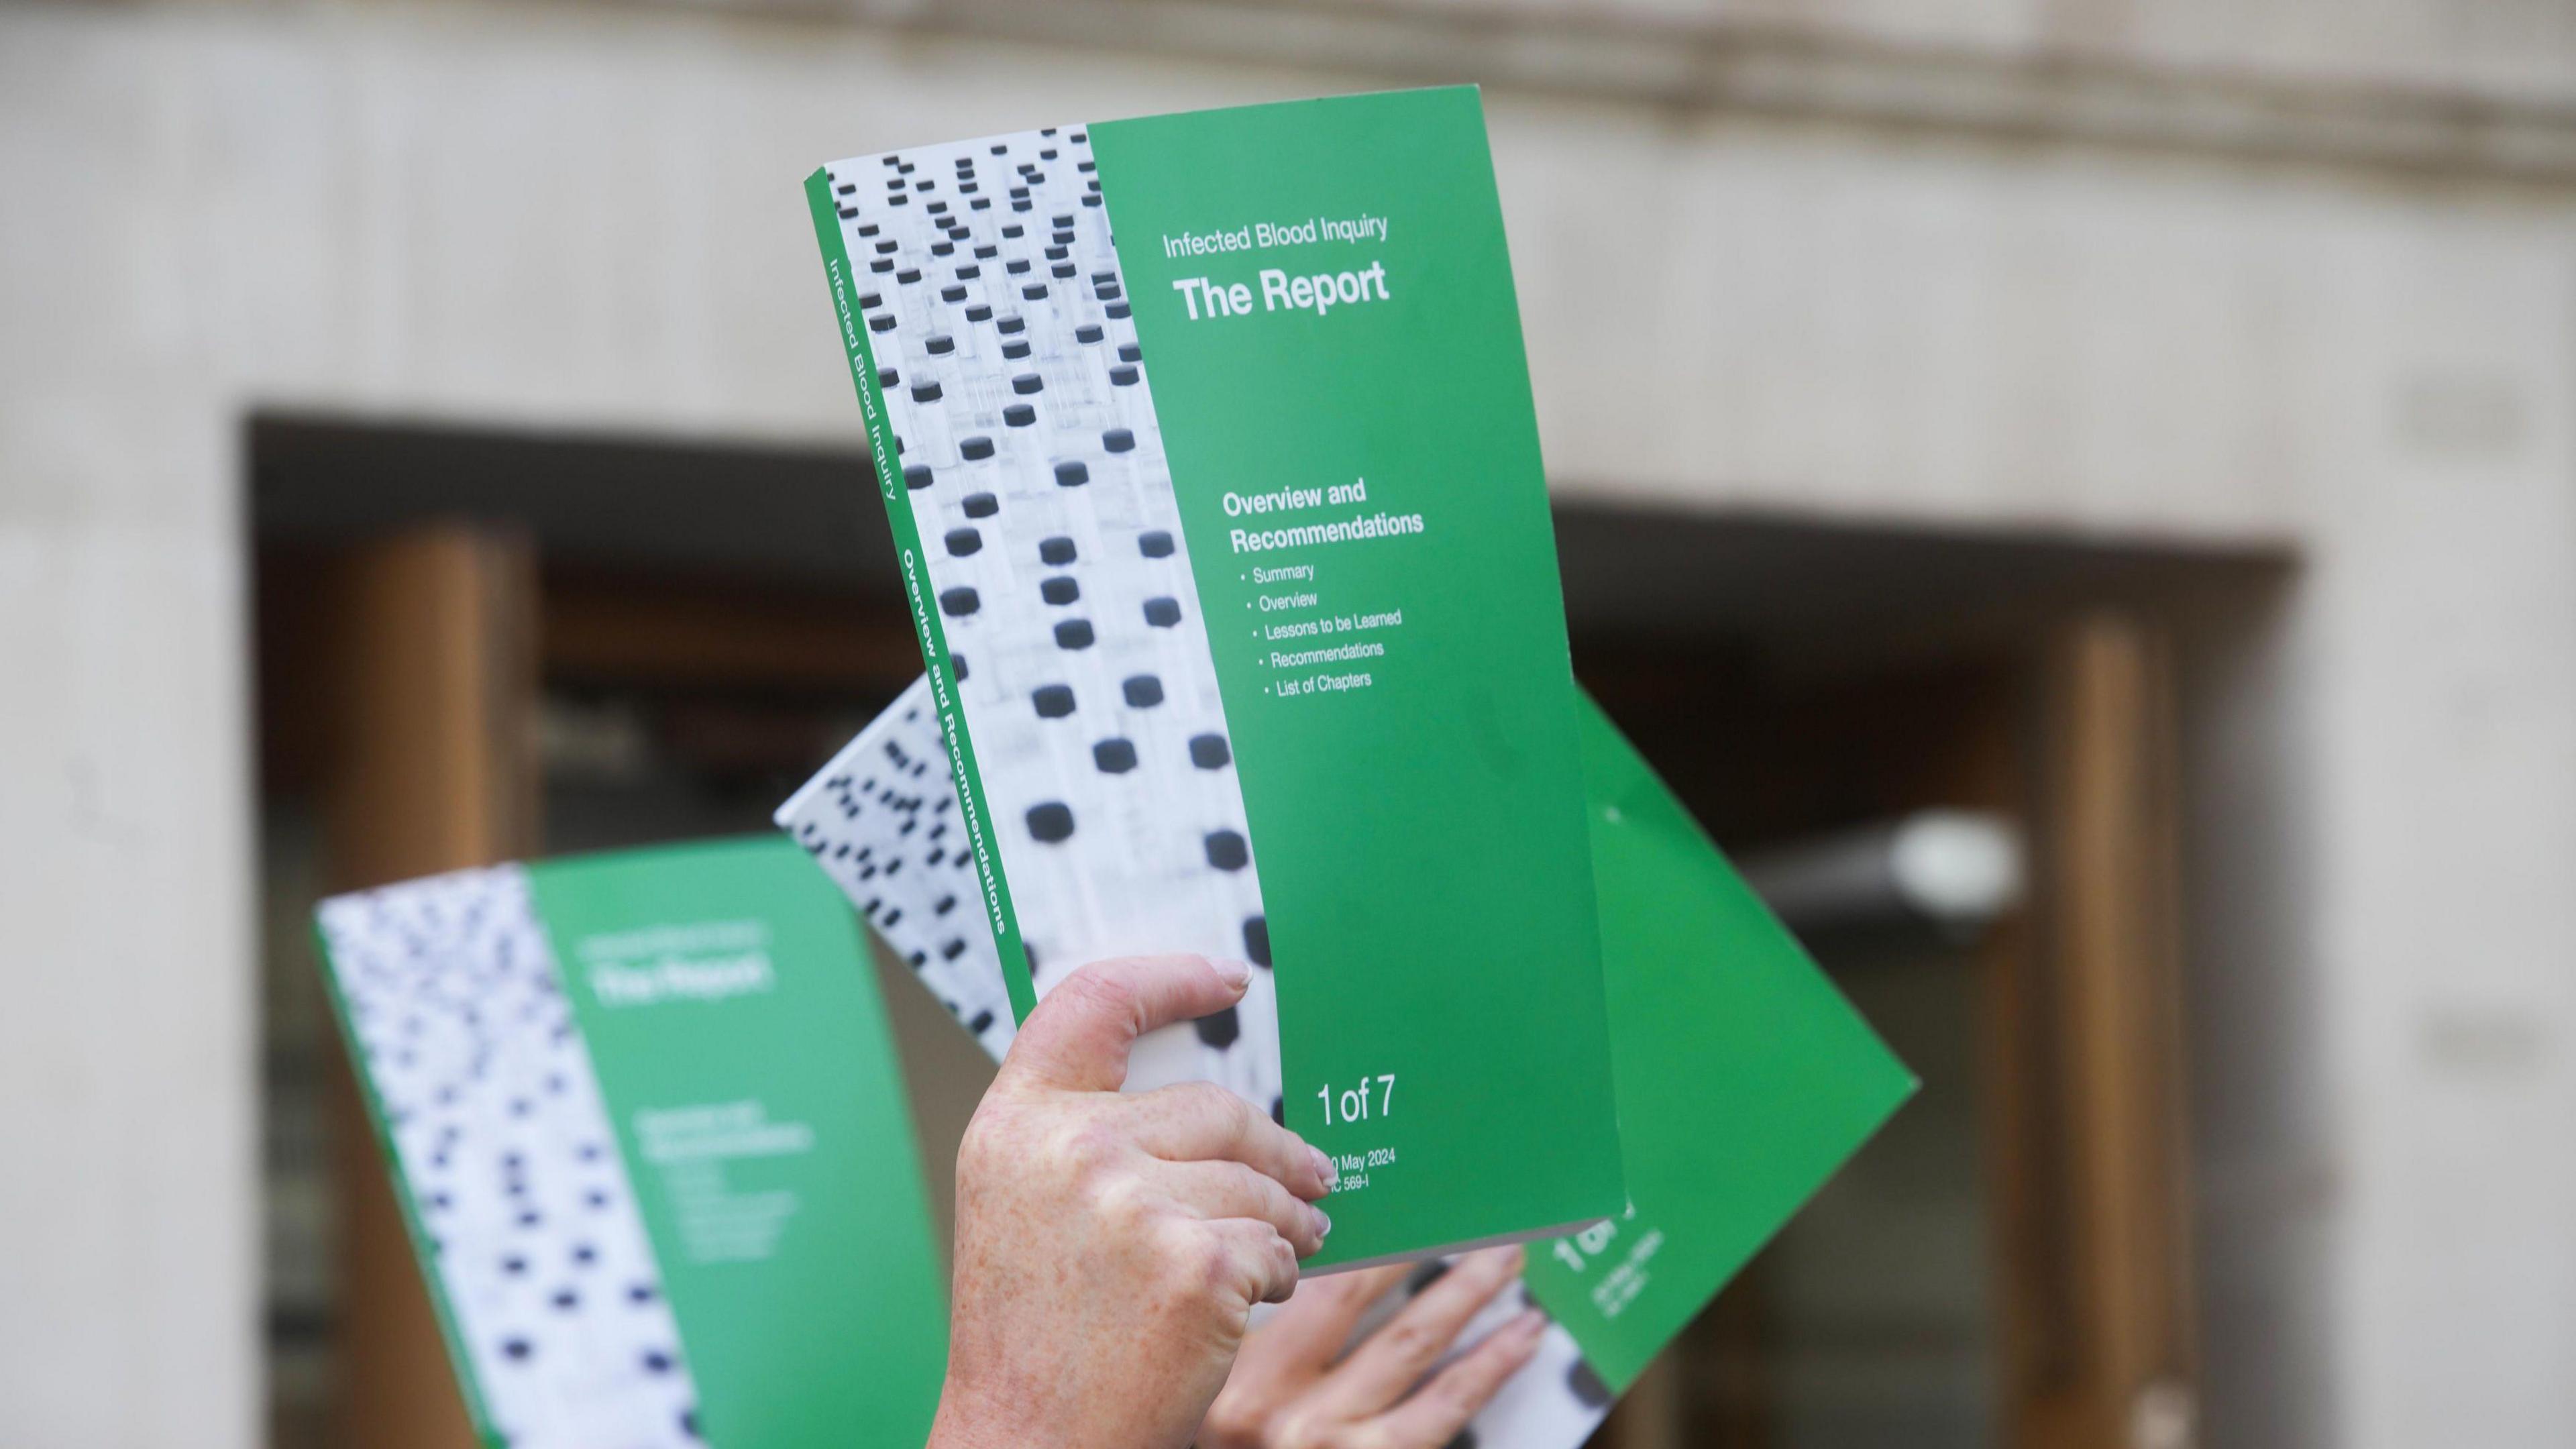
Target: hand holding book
x: 1441, y: 864
x: 1301, y: 1382
x: 1110, y: 1247
x: 1743, y: 1076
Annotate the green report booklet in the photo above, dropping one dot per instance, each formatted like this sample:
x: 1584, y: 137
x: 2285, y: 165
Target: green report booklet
x: 1208, y: 445
x: 646, y: 1124
x: 1744, y: 1078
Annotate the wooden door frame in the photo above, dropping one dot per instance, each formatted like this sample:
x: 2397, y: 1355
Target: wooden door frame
x: 2086, y: 1092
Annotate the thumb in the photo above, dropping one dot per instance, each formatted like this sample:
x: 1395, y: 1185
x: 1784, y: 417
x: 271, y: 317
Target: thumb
x: 1078, y: 1037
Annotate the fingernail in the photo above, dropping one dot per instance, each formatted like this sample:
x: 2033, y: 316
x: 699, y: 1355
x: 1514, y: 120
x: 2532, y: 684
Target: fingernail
x: 1237, y: 974
x: 1323, y: 1223
x: 1514, y: 1256
x: 1325, y: 1171
x: 1530, y: 1324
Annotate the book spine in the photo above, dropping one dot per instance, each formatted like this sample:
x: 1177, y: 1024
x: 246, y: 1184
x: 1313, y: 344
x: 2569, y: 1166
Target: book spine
x: 486, y: 1432
x: 918, y: 593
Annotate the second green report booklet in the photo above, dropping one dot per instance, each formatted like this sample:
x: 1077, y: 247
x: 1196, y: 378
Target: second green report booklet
x: 1209, y: 450
x: 646, y: 1125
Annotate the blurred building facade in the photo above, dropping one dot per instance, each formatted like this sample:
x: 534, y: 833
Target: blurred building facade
x: 2286, y: 276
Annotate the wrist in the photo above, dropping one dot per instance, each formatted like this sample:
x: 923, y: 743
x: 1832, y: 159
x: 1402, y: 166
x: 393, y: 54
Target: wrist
x: 962, y: 1431
x: 967, y: 1420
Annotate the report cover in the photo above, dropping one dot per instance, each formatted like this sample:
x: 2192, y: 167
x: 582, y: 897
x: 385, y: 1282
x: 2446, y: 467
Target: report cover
x: 1208, y: 445
x: 647, y: 1129
x: 1744, y: 1078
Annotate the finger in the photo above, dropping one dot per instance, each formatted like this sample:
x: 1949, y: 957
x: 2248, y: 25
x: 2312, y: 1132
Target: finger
x: 1395, y: 1358
x: 1312, y: 1329
x: 1439, y: 1409
x: 1195, y: 1121
x: 1078, y: 1037
x: 1261, y: 1263
x: 1213, y: 1190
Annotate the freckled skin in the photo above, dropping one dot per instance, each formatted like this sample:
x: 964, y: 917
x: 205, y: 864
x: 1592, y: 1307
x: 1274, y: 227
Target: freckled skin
x: 1110, y: 1247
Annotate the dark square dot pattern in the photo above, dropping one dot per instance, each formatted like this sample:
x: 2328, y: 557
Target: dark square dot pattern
x: 495, y: 1121
x: 1042, y: 437
x: 882, y: 821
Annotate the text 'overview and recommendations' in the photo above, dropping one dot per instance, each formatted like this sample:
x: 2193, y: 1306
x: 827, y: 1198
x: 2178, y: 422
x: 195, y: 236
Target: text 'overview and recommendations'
x: 1305, y: 635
